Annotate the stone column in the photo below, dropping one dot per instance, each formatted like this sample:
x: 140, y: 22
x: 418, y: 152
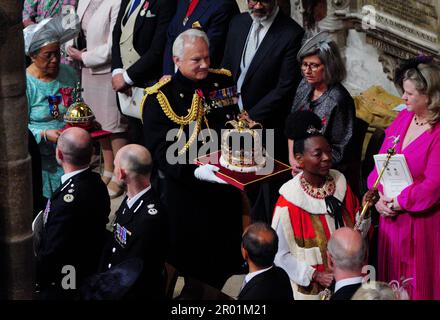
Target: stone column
x: 16, y: 258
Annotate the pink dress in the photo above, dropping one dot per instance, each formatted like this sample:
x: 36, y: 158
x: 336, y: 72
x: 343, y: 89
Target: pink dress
x: 409, y: 244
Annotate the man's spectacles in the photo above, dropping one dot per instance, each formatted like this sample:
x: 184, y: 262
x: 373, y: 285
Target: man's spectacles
x: 50, y: 55
x: 312, y: 66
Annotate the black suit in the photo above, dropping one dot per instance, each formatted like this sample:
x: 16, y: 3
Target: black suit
x: 74, y: 233
x: 346, y: 292
x: 273, y: 75
x: 273, y: 284
x: 149, y: 38
x: 139, y: 233
x: 268, y: 90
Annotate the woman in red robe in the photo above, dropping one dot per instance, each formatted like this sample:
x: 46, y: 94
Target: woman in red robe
x: 310, y: 208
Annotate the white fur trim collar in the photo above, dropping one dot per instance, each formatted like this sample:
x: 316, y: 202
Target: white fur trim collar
x: 293, y: 193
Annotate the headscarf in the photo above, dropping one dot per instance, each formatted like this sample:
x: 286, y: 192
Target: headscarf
x: 50, y: 30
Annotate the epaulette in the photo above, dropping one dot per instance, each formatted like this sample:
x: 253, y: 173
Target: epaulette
x: 222, y: 71
x: 155, y: 88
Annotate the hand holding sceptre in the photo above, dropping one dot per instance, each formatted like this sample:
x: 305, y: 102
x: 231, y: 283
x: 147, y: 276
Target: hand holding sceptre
x: 370, y: 197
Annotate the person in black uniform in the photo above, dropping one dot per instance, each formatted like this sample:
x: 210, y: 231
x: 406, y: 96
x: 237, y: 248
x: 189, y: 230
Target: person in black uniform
x: 139, y: 230
x: 265, y: 281
x: 204, y: 215
x: 73, y: 229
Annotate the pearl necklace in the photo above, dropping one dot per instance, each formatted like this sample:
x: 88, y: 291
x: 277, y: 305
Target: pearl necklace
x: 420, y: 124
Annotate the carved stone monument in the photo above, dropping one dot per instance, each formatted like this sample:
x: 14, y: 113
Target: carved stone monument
x: 397, y: 29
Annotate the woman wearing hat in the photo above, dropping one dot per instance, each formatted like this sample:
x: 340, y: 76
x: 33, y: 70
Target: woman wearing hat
x: 44, y: 79
x: 321, y: 91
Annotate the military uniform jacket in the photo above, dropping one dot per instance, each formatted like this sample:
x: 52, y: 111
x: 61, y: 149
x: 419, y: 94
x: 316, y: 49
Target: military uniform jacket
x: 138, y: 232
x: 75, y: 230
x: 179, y: 92
x: 199, y: 213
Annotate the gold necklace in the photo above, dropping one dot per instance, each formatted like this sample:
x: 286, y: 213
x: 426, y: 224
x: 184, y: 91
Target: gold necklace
x: 328, y: 189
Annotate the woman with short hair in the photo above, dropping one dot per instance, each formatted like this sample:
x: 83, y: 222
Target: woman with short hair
x: 311, y: 207
x: 321, y: 91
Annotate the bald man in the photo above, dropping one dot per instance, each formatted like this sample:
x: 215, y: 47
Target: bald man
x: 73, y: 233
x: 138, y: 229
x: 265, y: 281
x: 346, y: 256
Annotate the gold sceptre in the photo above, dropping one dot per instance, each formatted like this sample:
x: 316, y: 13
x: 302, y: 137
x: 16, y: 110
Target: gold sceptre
x: 391, y: 152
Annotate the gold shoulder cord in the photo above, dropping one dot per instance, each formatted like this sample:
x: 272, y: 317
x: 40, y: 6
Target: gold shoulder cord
x: 196, y: 112
x: 222, y: 71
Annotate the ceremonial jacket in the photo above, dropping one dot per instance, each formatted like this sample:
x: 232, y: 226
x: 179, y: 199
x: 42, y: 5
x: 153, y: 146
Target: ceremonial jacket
x: 139, y: 232
x: 74, y: 233
x: 199, y: 213
x: 304, y: 226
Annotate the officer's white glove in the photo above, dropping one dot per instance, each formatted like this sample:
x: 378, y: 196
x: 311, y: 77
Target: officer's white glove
x: 207, y: 173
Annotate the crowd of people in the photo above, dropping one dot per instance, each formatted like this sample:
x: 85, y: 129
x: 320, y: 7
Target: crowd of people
x: 203, y: 63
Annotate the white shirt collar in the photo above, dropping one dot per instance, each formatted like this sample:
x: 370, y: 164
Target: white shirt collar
x: 132, y: 201
x: 249, y: 276
x: 69, y: 175
x: 346, y: 282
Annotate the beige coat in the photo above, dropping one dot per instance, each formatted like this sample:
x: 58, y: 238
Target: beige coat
x: 99, y: 35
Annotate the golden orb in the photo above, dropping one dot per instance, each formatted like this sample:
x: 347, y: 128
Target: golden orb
x: 79, y: 114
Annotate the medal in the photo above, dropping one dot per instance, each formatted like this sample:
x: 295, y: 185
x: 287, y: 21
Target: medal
x: 54, y: 101
x: 145, y: 8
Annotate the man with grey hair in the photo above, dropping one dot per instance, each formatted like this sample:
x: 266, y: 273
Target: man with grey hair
x: 175, y: 111
x: 73, y: 227
x: 346, y: 256
x: 138, y: 231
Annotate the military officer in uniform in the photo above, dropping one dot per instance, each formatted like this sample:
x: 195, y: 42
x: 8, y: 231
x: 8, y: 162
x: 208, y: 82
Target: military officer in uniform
x: 204, y: 215
x: 74, y: 221
x: 138, y: 231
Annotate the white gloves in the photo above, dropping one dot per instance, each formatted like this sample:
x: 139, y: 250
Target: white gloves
x: 207, y: 173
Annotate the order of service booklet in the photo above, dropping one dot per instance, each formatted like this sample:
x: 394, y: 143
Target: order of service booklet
x: 396, y: 176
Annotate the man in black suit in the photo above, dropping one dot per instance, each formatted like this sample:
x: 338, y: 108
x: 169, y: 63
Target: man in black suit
x: 265, y: 281
x: 74, y: 221
x: 346, y: 255
x: 139, y: 230
x: 261, y: 51
x: 139, y: 38
x: 211, y: 16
